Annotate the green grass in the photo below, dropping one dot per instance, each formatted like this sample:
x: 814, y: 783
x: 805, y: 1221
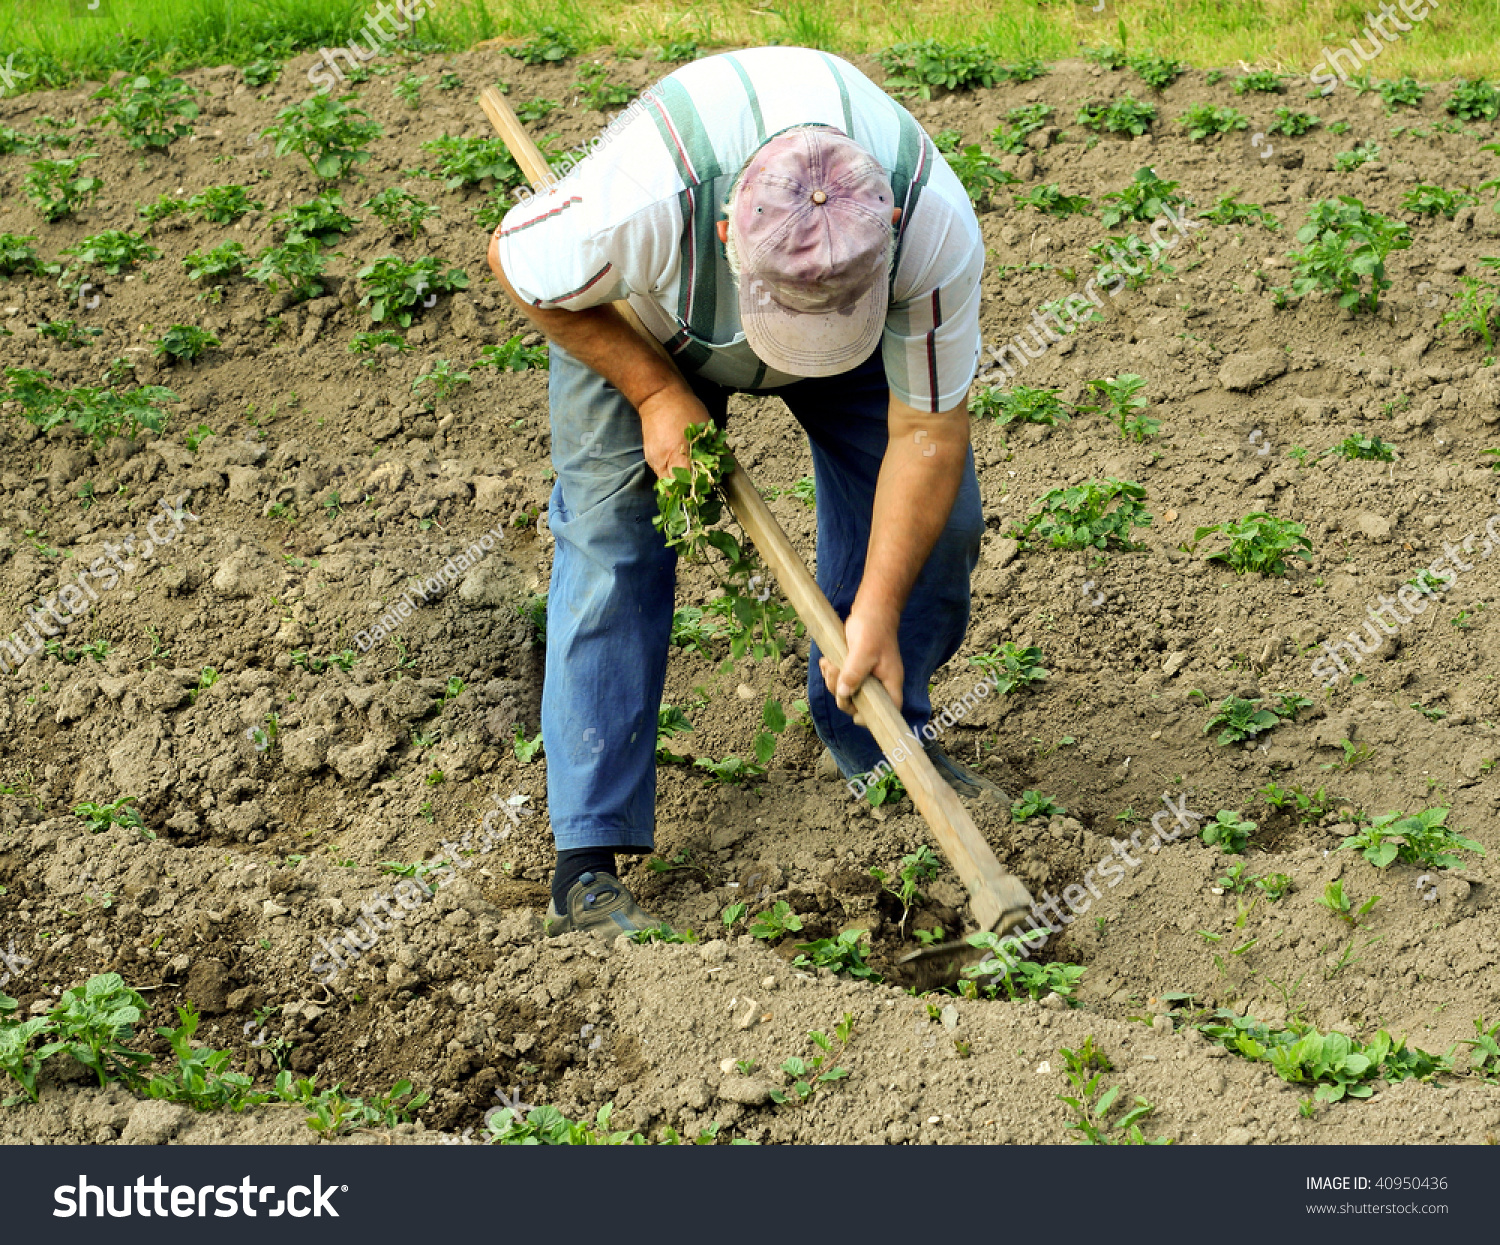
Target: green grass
x: 57, y: 40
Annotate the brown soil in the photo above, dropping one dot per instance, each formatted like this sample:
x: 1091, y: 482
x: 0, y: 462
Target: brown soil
x: 261, y: 850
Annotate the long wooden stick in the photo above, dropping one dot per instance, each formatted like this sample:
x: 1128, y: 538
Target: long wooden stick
x: 996, y: 897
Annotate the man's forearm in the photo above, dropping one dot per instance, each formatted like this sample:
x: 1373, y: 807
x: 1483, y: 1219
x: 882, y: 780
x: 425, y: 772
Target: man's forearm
x: 918, y: 484
x: 600, y: 339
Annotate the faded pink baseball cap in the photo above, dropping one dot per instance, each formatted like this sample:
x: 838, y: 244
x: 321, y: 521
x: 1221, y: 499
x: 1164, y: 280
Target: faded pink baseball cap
x: 812, y: 229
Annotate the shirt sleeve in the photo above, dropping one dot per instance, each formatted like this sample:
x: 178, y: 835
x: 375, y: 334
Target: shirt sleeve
x: 931, y: 343
x: 584, y: 243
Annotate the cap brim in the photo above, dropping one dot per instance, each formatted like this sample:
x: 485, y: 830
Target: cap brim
x: 804, y: 343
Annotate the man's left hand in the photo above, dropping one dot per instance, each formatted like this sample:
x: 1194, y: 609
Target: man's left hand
x: 872, y: 650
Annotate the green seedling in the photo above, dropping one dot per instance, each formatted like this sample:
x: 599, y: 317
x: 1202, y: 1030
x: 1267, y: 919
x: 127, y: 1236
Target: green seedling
x: 1010, y: 136
x: 1021, y: 404
x: 693, y: 629
x: 842, y: 954
x: 326, y: 133
x: 1121, y: 400
x: 401, y: 210
x: 1474, y: 101
x: 1035, y: 804
x: 804, y: 490
x: 295, y: 265
x: 1105, y: 56
x: 1355, y: 157
x: 1307, y: 807
x: 16, y: 257
x: 1146, y: 199
x: 1365, y: 449
x: 1346, y: 243
x: 67, y: 334
x: 663, y: 933
x: 979, y: 172
x: 1236, y: 879
x: 1258, y: 543
x: 670, y: 722
x: 1484, y: 1049
x: 1091, y: 1108
x: 186, y: 342
x: 1264, y: 80
x: 534, y: 611
x: 1203, y: 121
x: 1020, y: 978
x: 1274, y: 885
x: 1405, y: 92
x: 1099, y: 514
x: 117, y: 812
x: 150, y: 110
x: 775, y: 922
x: 409, y: 89
x: 1050, y: 200
x: 473, y: 161
x: 114, y: 250
x: 512, y: 356
x: 321, y: 219
x: 222, y: 205
x: 444, y: 380
x: 1478, y: 305
x: 917, y: 67
x: 1354, y: 756
x: 804, y: 1076
x: 1419, y: 839
x: 1156, y: 71
x: 1121, y: 116
x: 547, y: 47
x: 227, y: 260
x: 916, y: 869
x: 373, y: 344
x: 1338, y: 1065
x: 526, y: 749
x: 886, y: 789
x: 1228, y: 832
x: 394, y: 288
x: 1241, y: 719
x: 1011, y: 667
x: 1292, y: 123
x: 1425, y: 199
x: 597, y: 93
x: 1342, y: 906
x: 535, y: 111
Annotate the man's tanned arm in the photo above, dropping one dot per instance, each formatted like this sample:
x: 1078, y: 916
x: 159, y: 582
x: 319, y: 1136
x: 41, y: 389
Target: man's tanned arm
x: 600, y: 338
x: 919, y: 481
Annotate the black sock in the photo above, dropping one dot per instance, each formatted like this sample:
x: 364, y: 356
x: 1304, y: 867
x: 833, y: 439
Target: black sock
x: 573, y: 864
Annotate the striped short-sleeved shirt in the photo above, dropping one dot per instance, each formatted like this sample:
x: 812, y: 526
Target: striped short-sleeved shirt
x: 637, y: 220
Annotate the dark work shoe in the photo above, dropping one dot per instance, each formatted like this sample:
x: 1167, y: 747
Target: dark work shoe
x: 598, y: 904
x: 968, y: 784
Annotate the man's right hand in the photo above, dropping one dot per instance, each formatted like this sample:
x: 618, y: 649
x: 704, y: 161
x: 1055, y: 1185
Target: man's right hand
x: 665, y: 416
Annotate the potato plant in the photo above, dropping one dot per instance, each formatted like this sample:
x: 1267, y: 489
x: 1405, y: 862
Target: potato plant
x: 151, y: 110
x: 1205, y: 120
x: 1098, y: 514
x: 1126, y: 115
x: 1345, y: 244
x: 58, y: 188
x: 326, y: 133
x: 1258, y: 543
x: 396, y: 288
